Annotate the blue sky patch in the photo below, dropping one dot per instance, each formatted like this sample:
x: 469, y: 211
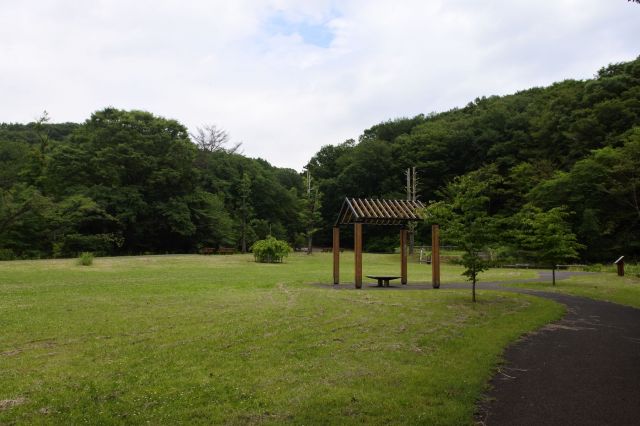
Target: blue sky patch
x: 317, y: 34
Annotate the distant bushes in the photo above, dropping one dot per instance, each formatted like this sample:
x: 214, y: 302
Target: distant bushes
x: 85, y: 259
x: 7, y: 254
x: 270, y: 250
x: 381, y: 244
x: 629, y: 268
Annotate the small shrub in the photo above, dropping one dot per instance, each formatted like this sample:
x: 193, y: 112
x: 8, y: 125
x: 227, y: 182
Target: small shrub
x: 633, y: 269
x: 595, y: 267
x: 85, y: 259
x: 270, y: 250
x: 7, y: 254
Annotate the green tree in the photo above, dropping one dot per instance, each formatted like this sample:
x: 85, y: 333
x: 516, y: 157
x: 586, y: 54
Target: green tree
x: 24, y: 224
x: 14, y: 161
x: 245, y: 209
x: 79, y: 224
x: 623, y: 172
x: 465, y: 221
x: 139, y: 168
x: 604, y: 189
x: 132, y: 182
x: 530, y: 138
x: 213, y: 223
x: 546, y: 236
x: 310, y: 205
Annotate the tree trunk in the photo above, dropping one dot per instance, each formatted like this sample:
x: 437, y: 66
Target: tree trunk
x: 553, y: 274
x: 473, y: 284
x: 473, y: 290
x: 309, y: 244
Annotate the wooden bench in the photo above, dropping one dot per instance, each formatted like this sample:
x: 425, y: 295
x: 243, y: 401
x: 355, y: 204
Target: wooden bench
x: 383, y: 280
x: 208, y: 250
x: 330, y: 250
x: 226, y: 250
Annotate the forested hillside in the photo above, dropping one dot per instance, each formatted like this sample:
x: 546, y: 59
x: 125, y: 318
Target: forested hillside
x: 574, y: 144
x: 129, y: 182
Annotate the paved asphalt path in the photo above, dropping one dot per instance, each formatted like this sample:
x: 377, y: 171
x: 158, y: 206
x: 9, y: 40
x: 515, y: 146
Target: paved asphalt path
x: 581, y: 370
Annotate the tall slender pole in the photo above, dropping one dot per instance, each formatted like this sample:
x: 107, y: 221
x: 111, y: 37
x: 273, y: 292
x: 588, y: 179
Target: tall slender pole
x: 412, y: 188
x: 414, y: 183
x: 357, y: 248
x: 435, y: 256
x: 408, y: 173
x: 414, y: 198
x: 336, y: 255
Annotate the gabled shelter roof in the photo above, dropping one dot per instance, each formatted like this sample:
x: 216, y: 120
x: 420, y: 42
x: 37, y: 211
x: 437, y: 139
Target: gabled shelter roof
x: 378, y: 212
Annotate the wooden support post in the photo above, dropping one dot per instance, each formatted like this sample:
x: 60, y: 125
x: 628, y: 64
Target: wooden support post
x: 620, y: 264
x: 357, y: 249
x: 435, y: 256
x: 403, y: 256
x: 336, y: 255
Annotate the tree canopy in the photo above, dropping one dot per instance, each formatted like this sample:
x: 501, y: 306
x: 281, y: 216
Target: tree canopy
x: 127, y: 182
x: 466, y: 222
x: 573, y: 144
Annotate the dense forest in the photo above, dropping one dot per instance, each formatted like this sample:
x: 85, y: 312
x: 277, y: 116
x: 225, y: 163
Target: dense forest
x: 575, y: 144
x: 130, y: 182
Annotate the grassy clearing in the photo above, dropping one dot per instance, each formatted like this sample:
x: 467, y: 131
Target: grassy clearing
x: 221, y: 339
x: 632, y: 269
x: 602, y: 286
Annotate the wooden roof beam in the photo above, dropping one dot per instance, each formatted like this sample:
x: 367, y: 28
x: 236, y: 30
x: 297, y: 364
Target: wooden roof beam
x: 372, y: 207
x: 378, y: 206
x: 389, y: 209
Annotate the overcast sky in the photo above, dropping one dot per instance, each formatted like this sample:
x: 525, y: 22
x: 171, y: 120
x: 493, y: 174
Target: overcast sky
x: 286, y: 77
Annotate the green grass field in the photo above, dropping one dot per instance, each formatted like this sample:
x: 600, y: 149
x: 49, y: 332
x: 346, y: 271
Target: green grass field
x: 602, y: 286
x: 221, y: 339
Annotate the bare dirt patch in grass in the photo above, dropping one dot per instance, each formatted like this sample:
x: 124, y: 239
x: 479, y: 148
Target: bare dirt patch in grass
x: 6, y: 404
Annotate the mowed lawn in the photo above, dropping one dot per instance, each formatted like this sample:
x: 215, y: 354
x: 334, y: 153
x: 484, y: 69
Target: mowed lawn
x: 606, y: 286
x: 223, y: 340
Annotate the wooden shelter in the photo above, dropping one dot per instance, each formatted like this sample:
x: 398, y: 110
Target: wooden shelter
x: 358, y: 212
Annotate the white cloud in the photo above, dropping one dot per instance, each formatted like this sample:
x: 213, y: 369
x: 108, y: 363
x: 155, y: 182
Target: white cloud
x: 221, y: 62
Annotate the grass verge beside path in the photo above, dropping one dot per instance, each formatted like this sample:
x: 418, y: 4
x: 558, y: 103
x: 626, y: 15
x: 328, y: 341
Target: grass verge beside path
x: 221, y: 339
x: 606, y: 286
